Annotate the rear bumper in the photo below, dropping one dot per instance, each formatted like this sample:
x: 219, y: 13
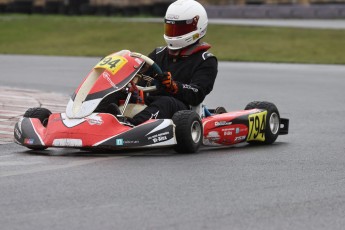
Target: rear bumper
x: 284, y: 126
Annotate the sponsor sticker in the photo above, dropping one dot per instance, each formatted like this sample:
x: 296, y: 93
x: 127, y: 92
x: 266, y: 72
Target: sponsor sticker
x: 29, y: 141
x: 240, y: 138
x: 159, y: 137
x: 185, y: 86
x: 227, y: 133
x: 172, y: 16
x: 68, y: 142
x: 222, y: 123
x: 106, y: 76
x: 196, y: 36
x: 213, y: 136
x: 119, y: 141
x: 18, y: 133
x: 154, y: 116
x: 128, y: 142
x: 94, y: 120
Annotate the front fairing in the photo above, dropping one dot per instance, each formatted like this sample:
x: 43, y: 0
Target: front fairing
x: 101, y: 130
x: 110, y: 75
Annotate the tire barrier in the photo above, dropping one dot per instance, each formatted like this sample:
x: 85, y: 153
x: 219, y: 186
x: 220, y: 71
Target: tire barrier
x: 86, y: 7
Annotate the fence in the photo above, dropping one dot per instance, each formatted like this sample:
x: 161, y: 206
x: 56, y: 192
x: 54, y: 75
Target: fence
x: 105, y: 7
x: 215, y: 8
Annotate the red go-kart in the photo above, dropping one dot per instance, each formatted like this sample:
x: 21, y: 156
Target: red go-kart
x: 81, y: 127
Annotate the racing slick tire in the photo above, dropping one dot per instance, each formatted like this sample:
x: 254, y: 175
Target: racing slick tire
x: 272, y: 121
x: 220, y: 110
x: 188, y: 131
x: 43, y: 115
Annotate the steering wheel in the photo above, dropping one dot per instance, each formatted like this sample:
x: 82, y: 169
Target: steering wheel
x: 151, y: 63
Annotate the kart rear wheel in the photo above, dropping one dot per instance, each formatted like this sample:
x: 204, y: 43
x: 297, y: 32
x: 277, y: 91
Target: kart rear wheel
x: 43, y: 115
x: 272, y: 121
x: 188, y: 131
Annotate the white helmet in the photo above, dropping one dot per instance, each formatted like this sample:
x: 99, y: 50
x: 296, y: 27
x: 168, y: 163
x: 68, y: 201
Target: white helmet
x: 185, y: 23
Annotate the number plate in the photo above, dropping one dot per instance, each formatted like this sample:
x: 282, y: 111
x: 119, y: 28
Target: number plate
x: 257, y: 126
x: 112, y: 63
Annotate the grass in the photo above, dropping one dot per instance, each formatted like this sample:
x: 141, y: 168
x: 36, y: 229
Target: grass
x: 97, y: 36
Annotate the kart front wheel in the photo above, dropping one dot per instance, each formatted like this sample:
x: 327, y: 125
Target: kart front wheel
x: 188, y: 131
x: 272, y: 121
x: 41, y: 113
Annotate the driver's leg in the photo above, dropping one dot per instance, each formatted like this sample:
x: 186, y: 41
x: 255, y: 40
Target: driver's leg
x: 110, y: 103
x: 161, y: 107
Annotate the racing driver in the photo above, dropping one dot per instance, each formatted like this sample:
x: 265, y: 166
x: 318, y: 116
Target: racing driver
x: 189, y: 70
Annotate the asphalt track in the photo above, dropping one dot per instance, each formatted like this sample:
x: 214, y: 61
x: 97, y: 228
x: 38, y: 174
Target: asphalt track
x: 296, y: 183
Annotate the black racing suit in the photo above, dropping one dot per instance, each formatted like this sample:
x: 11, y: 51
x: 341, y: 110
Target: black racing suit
x: 194, y: 70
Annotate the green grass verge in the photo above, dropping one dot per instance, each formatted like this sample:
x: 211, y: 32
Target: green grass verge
x: 97, y: 36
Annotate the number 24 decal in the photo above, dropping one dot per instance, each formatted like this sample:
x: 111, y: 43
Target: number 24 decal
x: 257, y: 126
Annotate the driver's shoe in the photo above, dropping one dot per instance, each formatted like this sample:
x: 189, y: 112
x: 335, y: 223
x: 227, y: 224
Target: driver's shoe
x: 113, y: 109
x: 125, y: 120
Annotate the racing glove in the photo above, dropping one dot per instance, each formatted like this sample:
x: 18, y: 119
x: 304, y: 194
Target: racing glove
x: 167, y: 83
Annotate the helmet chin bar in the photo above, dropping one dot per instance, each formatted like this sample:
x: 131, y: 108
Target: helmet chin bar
x: 181, y: 42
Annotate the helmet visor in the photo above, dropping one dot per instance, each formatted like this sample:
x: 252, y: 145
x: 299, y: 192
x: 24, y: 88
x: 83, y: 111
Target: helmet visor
x: 177, y: 28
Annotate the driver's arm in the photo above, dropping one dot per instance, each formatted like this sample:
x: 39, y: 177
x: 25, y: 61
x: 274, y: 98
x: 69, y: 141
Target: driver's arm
x: 201, y: 84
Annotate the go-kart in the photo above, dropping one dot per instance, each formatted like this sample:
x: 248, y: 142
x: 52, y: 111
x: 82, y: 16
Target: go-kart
x: 81, y: 127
